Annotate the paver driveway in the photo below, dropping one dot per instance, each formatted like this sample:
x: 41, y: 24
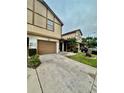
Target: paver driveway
x: 58, y: 74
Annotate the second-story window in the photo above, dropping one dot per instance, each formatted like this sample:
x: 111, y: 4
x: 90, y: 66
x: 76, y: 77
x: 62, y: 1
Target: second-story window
x: 50, y: 25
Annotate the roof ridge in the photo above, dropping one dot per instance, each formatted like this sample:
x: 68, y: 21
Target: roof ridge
x: 73, y: 32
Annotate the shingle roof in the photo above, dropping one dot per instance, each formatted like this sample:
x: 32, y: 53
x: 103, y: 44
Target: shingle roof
x: 72, y: 32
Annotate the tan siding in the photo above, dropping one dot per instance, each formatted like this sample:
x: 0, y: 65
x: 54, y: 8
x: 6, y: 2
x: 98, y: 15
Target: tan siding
x: 50, y: 15
x: 30, y: 4
x: 56, y: 20
x: 40, y: 8
x: 69, y: 36
x: 40, y: 21
x: 29, y: 16
x: 57, y: 28
x: 78, y: 37
x: 44, y: 32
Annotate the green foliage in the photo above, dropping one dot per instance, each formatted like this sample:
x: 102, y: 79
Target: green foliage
x: 72, y: 44
x: 84, y: 41
x: 91, y: 42
x: 33, y: 61
x: 75, y: 50
x: 89, y: 38
x: 32, y: 52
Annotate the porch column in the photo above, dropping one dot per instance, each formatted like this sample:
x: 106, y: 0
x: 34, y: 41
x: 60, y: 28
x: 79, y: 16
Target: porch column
x: 63, y: 47
x: 79, y: 47
x: 57, y: 47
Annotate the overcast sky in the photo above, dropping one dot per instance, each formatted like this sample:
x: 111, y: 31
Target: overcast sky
x: 76, y: 14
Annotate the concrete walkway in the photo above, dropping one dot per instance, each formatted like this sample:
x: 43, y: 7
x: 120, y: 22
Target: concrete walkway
x: 58, y: 74
x: 67, y: 53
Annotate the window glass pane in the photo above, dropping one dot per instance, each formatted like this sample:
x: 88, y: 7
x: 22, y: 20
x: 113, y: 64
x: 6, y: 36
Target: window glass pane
x: 49, y: 25
x: 50, y: 22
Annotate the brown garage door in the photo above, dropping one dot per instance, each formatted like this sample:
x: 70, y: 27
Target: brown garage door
x: 46, y: 47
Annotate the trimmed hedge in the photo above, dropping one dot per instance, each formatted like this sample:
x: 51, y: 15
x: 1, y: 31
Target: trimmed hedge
x: 33, y: 61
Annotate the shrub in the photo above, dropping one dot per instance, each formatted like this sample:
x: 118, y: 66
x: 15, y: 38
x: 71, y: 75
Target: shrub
x: 32, y: 52
x: 33, y: 61
x: 75, y: 50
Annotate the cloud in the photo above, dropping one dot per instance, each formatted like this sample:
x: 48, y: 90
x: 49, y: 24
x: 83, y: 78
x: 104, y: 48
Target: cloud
x: 76, y: 14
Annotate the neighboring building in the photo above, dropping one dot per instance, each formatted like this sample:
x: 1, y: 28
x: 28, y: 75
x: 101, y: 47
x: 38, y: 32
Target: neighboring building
x: 44, y: 28
x: 73, y: 34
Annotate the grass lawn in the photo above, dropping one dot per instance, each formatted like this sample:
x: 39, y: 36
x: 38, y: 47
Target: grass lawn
x: 92, y: 61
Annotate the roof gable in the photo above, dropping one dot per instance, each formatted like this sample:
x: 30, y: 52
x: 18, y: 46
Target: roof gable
x: 72, y: 32
x: 45, y: 4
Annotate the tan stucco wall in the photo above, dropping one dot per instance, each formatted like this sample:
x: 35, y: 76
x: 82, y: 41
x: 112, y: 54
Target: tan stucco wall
x: 78, y: 37
x: 57, y: 21
x: 40, y: 8
x: 29, y: 16
x: 72, y: 35
x: 41, y: 21
x: 30, y: 4
x: 44, y: 32
x: 50, y: 15
x: 57, y: 28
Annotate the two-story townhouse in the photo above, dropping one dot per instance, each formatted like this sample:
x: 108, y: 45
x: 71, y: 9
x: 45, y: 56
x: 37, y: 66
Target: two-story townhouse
x: 72, y: 34
x: 44, y: 28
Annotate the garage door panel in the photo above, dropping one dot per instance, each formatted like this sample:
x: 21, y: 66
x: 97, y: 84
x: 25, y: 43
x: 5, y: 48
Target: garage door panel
x: 46, y: 47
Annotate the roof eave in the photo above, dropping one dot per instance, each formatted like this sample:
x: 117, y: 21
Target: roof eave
x: 72, y: 32
x: 45, y: 4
